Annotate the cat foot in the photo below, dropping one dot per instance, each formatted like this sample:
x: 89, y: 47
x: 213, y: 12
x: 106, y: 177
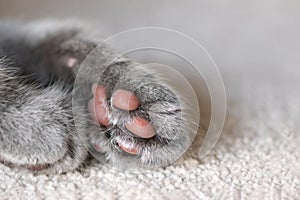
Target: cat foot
x: 126, y: 101
x: 140, y: 128
x: 137, y: 117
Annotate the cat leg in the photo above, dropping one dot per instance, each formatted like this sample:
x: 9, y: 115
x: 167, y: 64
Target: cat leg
x: 36, y: 126
x: 143, y: 117
x: 138, y: 117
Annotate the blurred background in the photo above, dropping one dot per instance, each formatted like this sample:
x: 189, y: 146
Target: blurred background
x: 256, y: 40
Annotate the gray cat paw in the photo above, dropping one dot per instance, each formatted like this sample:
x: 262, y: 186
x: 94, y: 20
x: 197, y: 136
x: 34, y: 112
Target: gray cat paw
x: 139, y: 118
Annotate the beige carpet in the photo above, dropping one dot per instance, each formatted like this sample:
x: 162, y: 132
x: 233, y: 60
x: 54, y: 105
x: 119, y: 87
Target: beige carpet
x: 257, y: 157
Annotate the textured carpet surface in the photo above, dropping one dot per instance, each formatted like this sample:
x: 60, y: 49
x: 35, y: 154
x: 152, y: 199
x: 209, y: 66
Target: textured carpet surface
x: 256, y: 46
x: 257, y: 157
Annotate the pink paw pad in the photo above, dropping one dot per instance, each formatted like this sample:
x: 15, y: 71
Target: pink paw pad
x: 98, y: 106
x: 69, y: 61
x: 125, y: 100
x: 141, y: 127
x: 130, y: 150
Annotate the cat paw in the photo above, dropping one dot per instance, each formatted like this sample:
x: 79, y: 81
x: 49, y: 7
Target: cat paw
x: 137, y: 118
x: 140, y: 120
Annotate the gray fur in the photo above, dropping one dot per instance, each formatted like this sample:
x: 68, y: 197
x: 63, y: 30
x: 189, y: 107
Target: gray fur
x: 37, y: 125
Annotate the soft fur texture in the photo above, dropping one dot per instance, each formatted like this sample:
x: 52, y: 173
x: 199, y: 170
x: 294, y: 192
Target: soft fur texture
x: 37, y: 128
x: 257, y: 157
x: 255, y: 45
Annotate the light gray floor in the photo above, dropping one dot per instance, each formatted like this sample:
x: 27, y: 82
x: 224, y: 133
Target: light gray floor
x: 256, y: 46
x: 262, y: 36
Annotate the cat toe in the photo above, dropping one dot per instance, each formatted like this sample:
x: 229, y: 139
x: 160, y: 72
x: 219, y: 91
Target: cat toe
x: 140, y: 127
x: 125, y: 100
x: 98, y: 107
